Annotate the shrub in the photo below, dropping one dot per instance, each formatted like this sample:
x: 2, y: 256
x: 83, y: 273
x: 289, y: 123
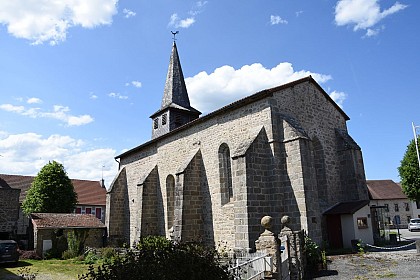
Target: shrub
x: 29, y: 255
x: 156, y: 258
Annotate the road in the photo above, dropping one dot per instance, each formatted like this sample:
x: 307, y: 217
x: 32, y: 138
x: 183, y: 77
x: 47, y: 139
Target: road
x: 405, y: 234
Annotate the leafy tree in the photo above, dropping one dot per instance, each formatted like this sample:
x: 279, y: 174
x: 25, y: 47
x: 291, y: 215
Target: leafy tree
x: 51, y: 191
x: 156, y: 258
x: 410, y: 173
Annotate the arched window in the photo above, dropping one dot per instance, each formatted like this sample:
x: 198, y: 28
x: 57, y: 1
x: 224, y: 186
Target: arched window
x: 170, y: 200
x: 225, y: 174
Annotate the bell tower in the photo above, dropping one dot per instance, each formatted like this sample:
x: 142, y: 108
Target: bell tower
x: 175, y: 109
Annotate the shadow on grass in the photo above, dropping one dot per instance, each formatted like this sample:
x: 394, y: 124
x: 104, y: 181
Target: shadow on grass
x: 7, y: 274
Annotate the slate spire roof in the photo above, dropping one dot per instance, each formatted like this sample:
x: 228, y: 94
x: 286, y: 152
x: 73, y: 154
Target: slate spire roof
x: 175, y: 94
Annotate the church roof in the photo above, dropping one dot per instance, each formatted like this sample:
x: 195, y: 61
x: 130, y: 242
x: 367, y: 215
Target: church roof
x: 237, y: 104
x: 175, y: 94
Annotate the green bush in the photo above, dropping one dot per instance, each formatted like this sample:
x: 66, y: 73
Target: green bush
x: 156, y: 258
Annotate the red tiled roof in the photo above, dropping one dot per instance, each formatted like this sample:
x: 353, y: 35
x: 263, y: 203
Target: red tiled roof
x: 384, y: 189
x: 88, y: 192
x: 349, y: 207
x: 58, y: 220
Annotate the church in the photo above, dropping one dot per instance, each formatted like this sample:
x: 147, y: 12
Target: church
x: 281, y: 151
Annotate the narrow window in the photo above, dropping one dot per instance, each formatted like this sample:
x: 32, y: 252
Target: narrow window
x: 178, y: 120
x: 164, y: 119
x: 396, y: 207
x: 156, y: 123
x: 407, y: 207
x: 408, y: 219
x: 88, y: 210
x: 386, y: 207
x: 99, y: 213
x: 170, y: 200
x: 225, y: 173
x: 78, y: 210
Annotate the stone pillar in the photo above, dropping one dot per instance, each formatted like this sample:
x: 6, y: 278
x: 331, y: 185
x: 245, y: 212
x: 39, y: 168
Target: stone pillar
x: 295, y: 243
x: 269, y: 243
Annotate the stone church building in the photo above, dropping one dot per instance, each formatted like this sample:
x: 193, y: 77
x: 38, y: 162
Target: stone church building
x: 281, y: 151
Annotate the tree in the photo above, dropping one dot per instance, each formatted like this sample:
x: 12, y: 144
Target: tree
x: 51, y: 191
x: 410, y: 173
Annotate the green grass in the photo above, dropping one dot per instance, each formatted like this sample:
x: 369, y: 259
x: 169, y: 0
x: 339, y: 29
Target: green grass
x: 55, y: 269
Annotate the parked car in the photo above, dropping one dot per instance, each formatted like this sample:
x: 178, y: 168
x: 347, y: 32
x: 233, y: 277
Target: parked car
x: 414, y: 224
x: 8, y: 251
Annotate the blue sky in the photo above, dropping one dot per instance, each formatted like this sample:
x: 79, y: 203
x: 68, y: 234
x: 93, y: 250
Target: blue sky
x: 81, y: 78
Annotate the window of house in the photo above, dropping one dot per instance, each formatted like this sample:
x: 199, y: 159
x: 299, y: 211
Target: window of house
x: 396, y: 207
x: 389, y: 220
x: 418, y: 204
x: 406, y: 206
x: 78, y: 210
x: 156, y: 123
x: 362, y: 222
x: 225, y: 174
x: 164, y: 116
x: 386, y: 207
x: 408, y: 219
x: 88, y: 210
x: 98, y: 213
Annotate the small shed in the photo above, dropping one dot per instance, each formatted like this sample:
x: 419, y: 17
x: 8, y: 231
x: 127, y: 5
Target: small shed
x: 47, y: 226
x: 347, y: 221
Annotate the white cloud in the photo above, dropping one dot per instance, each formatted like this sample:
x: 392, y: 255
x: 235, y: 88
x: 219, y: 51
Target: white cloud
x: 59, y: 113
x: 128, y: 13
x: 298, y: 13
x: 177, y: 22
x: 136, y: 84
x: 226, y: 84
x: 277, y: 20
x: 338, y: 97
x: 93, y: 96
x: 363, y: 14
x: 34, y: 100
x: 26, y: 154
x: 48, y: 20
x: 117, y: 95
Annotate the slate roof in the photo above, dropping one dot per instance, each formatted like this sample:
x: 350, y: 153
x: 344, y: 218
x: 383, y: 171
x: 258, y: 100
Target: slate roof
x: 58, y: 220
x: 237, y: 104
x: 384, y: 190
x: 349, y: 207
x: 88, y: 192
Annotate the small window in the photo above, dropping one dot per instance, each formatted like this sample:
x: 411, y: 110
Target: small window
x: 156, y: 123
x: 88, y: 210
x: 396, y: 207
x: 406, y: 206
x: 418, y: 204
x: 164, y: 119
x: 78, y: 210
x: 98, y: 213
x: 386, y: 207
x: 408, y: 219
x: 362, y: 222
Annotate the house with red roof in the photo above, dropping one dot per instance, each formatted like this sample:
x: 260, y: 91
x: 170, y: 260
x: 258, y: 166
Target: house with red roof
x: 389, y: 196
x: 91, y: 200
x: 47, y: 226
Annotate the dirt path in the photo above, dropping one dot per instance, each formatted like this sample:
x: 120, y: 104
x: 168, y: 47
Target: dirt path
x: 378, y: 265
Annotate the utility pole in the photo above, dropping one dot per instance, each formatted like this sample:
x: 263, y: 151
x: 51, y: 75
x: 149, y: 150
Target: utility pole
x: 415, y: 141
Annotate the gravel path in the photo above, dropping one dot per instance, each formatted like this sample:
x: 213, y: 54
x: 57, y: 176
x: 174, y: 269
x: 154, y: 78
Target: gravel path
x: 374, y: 265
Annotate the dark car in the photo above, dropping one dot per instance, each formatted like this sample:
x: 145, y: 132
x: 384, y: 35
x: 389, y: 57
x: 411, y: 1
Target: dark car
x: 8, y: 251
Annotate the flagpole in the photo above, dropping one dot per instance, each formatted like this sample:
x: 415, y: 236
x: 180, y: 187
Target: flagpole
x: 415, y: 141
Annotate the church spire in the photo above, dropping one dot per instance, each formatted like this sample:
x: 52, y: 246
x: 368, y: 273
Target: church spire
x: 175, y: 109
x: 175, y: 89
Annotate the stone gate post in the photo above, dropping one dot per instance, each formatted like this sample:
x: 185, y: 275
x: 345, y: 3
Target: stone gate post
x: 269, y: 242
x: 295, y: 243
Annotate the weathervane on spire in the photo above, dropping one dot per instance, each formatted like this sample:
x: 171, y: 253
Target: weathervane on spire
x: 174, y: 33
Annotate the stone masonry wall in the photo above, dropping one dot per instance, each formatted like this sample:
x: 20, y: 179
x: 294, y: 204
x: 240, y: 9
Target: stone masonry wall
x: 9, y: 210
x: 300, y: 112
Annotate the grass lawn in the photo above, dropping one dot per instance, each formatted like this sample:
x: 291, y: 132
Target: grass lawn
x: 45, y: 269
